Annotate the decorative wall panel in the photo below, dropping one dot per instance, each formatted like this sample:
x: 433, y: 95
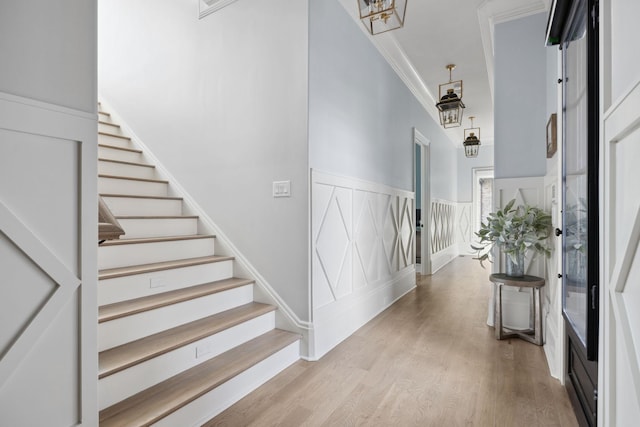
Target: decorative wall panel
x: 443, y: 214
x: 362, y: 244
x: 464, y: 228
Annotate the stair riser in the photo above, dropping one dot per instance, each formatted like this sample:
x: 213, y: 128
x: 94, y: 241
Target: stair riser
x: 113, y: 140
x: 107, y: 128
x: 159, y: 227
x: 120, y: 169
x: 122, y: 206
x: 147, y: 253
x: 127, y: 329
x: 125, y: 383
x: 122, y: 155
x: 217, y: 400
x: 139, y: 285
x: 134, y: 188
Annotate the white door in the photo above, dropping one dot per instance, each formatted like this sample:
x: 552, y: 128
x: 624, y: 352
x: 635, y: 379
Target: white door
x: 621, y: 264
x: 619, y: 357
x: 48, y: 213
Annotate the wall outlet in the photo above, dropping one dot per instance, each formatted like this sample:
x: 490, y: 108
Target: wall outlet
x: 156, y: 282
x: 203, y: 349
x: 281, y: 188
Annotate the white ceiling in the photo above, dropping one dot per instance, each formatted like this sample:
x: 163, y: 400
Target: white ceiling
x: 441, y: 32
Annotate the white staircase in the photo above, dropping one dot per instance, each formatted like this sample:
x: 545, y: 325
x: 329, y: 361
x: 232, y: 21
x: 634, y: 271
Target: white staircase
x: 179, y: 337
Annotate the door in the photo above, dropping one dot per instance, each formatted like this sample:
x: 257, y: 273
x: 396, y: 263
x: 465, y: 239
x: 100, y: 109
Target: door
x: 48, y: 213
x: 423, y: 202
x: 620, y: 219
x: 580, y: 245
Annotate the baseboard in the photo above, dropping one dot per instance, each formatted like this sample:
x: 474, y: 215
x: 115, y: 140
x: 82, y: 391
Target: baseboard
x: 443, y: 258
x: 336, y: 322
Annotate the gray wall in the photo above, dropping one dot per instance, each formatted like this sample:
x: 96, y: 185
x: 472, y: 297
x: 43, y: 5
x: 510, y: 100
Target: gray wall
x: 361, y: 114
x: 47, y: 59
x: 520, y: 113
x: 222, y: 102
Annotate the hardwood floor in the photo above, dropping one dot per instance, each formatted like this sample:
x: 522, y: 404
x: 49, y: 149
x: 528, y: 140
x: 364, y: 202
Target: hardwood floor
x: 428, y: 360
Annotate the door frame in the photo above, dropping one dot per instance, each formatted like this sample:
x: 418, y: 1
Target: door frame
x: 425, y: 196
x: 476, y: 175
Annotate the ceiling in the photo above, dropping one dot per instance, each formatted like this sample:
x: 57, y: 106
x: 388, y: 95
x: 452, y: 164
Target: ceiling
x: 441, y: 32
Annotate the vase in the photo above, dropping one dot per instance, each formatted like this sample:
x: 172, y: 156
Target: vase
x: 515, y: 268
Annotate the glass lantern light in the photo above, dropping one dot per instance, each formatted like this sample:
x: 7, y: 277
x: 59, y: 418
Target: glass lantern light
x: 471, y: 140
x: 380, y: 16
x: 450, y: 105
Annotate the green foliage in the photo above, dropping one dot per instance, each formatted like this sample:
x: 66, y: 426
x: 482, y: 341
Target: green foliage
x: 513, y: 230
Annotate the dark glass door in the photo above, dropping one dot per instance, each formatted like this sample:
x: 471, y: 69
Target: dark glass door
x: 580, y: 205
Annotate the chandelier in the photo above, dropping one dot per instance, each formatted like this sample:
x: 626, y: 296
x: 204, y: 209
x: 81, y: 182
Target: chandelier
x: 450, y: 105
x: 380, y: 16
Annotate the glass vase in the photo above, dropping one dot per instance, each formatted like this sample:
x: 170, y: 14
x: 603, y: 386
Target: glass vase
x: 515, y: 268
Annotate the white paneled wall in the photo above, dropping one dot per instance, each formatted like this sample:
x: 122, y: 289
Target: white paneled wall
x: 464, y: 228
x: 362, y: 251
x: 443, y: 233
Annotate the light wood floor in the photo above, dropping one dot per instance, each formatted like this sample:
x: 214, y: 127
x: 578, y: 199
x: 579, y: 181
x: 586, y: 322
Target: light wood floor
x: 429, y: 360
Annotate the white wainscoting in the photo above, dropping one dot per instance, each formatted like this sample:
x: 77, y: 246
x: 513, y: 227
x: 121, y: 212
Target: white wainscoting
x: 362, y: 251
x: 464, y: 228
x: 443, y: 233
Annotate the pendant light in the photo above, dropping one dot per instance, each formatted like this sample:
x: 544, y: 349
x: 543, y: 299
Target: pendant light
x: 380, y: 16
x: 471, y: 140
x: 450, y: 105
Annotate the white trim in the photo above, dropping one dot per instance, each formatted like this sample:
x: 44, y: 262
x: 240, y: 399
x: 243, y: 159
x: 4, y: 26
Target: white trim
x: 286, y: 318
x: 425, y: 196
x: 207, y: 7
x: 46, y: 106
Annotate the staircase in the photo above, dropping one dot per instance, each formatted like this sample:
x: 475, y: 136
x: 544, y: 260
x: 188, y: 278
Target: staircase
x: 179, y: 337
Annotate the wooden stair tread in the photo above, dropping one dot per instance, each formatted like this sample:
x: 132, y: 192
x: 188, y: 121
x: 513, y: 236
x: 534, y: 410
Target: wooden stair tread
x: 115, y: 147
x: 106, y: 114
x: 122, y: 162
x: 124, y: 356
x: 156, y: 216
x: 154, y: 403
x: 128, y: 178
x: 143, y: 240
x: 114, y: 135
x: 111, y: 273
x: 135, y: 196
x: 102, y: 122
x: 150, y: 302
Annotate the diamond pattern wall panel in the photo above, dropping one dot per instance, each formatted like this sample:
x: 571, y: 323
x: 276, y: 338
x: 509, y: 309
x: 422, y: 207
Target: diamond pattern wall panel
x: 362, y: 235
x: 442, y: 225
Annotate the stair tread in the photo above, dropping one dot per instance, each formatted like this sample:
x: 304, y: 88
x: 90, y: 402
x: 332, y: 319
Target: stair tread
x: 124, y: 356
x: 129, y: 178
x: 100, y: 159
x: 111, y: 273
x: 156, y: 216
x: 156, y: 402
x: 106, y: 114
x: 143, y: 240
x: 135, y: 196
x: 102, y: 122
x: 115, y: 147
x: 114, y: 135
x: 150, y: 302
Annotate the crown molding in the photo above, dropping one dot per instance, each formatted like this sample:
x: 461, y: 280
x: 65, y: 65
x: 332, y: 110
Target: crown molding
x: 396, y: 57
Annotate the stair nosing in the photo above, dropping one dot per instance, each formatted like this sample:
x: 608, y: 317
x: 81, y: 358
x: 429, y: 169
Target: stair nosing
x: 108, y: 124
x: 182, y: 335
x: 157, y: 217
x: 130, y: 178
x: 115, y: 135
x: 106, y: 114
x: 143, y: 240
x: 100, y: 159
x: 134, y: 196
x: 115, y: 147
x: 112, y: 273
x: 208, y: 375
x: 163, y: 299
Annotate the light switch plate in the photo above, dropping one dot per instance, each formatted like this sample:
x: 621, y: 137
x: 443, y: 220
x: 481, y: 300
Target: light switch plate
x: 281, y: 188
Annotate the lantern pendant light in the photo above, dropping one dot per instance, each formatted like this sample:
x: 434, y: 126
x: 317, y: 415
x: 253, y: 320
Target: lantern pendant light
x: 380, y: 16
x: 471, y: 140
x: 450, y: 105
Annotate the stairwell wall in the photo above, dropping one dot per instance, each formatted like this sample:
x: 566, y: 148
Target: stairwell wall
x: 222, y: 103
